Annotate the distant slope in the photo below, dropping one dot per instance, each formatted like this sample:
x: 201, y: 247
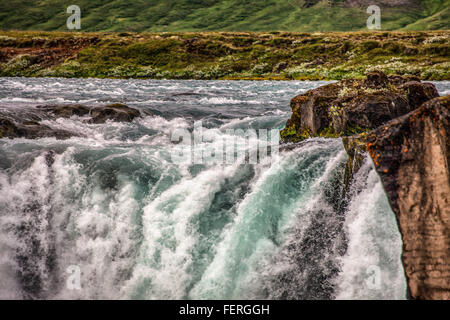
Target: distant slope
x: 226, y: 15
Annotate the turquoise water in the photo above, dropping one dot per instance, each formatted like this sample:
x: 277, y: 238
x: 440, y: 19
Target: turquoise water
x: 114, y: 204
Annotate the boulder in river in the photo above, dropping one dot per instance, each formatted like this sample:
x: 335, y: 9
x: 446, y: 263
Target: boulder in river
x: 17, y: 128
x: 65, y: 110
x: 114, y: 112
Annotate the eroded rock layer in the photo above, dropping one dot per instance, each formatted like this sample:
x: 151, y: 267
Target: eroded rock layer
x: 411, y: 155
x: 404, y: 125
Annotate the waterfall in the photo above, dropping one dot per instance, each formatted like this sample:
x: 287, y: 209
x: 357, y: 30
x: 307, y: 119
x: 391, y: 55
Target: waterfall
x: 113, y: 205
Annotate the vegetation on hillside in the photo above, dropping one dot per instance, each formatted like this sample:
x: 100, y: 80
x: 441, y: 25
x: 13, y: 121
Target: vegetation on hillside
x: 224, y: 15
x: 221, y: 55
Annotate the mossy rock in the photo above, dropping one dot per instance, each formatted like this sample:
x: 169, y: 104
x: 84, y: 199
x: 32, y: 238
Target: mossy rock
x: 351, y: 107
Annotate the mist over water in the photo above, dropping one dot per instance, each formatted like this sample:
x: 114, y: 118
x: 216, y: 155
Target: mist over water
x: 140, y: 226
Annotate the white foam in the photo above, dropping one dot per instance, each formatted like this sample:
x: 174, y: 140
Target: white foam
x: 170, y: 237
x: 222, y: 100
x: 374, y: 244
x: 242, y: 258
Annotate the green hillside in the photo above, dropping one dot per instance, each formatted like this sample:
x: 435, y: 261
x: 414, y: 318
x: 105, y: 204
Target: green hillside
x: 225, y: 15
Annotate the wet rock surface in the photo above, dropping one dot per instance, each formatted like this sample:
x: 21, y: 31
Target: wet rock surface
x: 114, y: 112
x: 405, y: 126
x: 349, y: 107
x: 412, y: 157
x: 30, y: 130
x: 65, y: 111
x: 23, y: 127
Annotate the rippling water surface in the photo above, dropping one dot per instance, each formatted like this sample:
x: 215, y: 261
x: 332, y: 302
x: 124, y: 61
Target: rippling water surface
x: 139, y: 226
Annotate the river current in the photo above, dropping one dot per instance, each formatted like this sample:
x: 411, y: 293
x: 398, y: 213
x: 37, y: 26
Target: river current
x: 110, y: 215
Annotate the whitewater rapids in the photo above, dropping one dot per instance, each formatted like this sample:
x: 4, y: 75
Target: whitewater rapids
x: 139, y: 226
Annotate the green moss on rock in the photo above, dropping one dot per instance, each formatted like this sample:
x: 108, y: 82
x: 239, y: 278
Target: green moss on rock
x: 352, y: 107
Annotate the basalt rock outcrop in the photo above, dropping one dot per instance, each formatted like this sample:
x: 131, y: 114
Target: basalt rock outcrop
x: 404, y: 126
x: 412, y: 157
x: 349, y: 107
x: 23, y: 127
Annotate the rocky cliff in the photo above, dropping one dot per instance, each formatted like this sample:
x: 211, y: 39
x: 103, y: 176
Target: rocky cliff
x: 348, y: 107
x: 405, y: 126
x: 411, y: 155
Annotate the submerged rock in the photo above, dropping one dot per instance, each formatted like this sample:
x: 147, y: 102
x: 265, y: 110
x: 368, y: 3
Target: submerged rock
x: 99, y: 114
x: 30, y: 130
x: 412, y: 157
x: 7, y: 128
x: 17, y: 128
x: 114, y: 112
x: 66, y: 111
x: 349, y: 107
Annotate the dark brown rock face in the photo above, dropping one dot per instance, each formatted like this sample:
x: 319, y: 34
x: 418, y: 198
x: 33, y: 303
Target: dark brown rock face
x: 349, y: 106
x: 370, y: 111
x: 418, y: 93
x: 412, y: 157
x: 405, y: 127
x: 376, y: 80
x: 356, y: 149
x: 310, y: 111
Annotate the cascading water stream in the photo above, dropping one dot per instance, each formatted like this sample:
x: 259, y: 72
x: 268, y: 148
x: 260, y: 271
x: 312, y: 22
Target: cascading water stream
x: 139, y: 226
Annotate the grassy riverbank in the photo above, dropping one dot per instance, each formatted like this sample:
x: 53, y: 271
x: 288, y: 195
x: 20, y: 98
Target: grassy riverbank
x: 224, y: 55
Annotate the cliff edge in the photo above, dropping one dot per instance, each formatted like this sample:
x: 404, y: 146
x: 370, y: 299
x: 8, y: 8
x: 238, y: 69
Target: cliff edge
x: 411, y: 155
x: 404, y: 125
